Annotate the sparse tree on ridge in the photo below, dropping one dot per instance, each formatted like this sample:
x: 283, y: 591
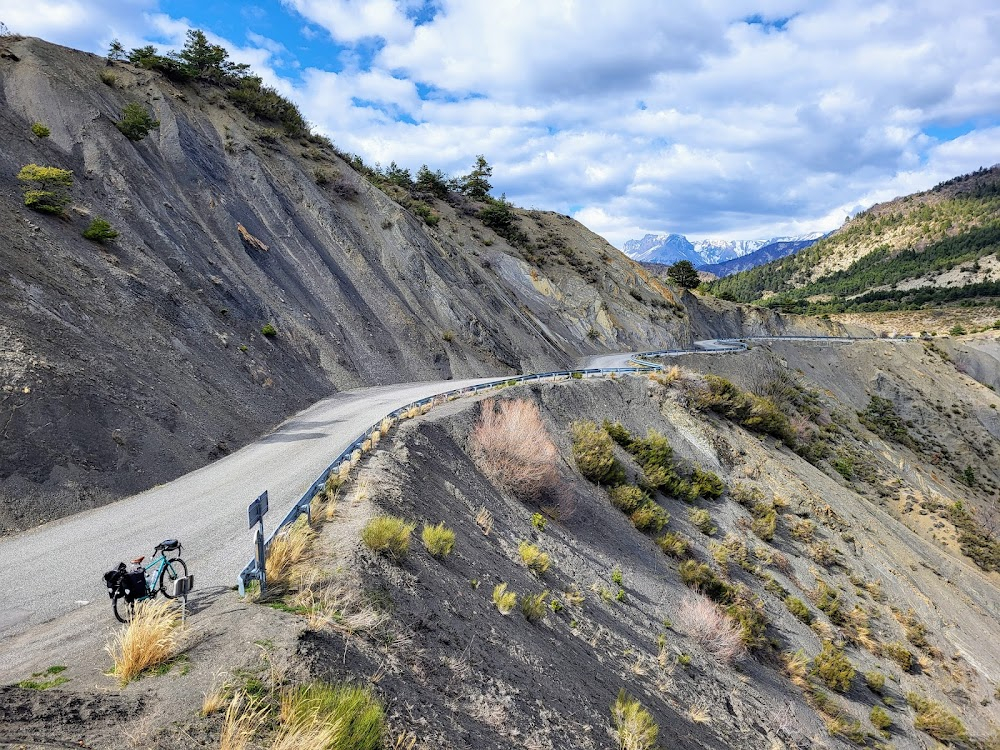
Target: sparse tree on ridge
x: 684, y: 274
x: 116, y: 51
x: 476, y: 184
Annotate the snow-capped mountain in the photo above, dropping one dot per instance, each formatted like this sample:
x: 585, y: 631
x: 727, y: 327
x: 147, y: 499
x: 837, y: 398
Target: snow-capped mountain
x: 670, y: 248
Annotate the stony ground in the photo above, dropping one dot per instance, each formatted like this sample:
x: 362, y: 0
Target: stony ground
x: 455, y: 673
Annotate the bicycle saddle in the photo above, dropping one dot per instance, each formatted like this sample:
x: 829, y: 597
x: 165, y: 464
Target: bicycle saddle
x: 138, y: 560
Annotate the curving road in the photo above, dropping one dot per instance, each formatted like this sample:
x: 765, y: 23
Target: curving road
x: 56, y: 569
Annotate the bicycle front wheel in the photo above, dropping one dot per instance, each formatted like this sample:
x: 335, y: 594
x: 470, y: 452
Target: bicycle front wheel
x: 124, y: 610
x: 174, y: 569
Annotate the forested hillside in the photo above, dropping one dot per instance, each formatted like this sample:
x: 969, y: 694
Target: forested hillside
x: 893, y: 256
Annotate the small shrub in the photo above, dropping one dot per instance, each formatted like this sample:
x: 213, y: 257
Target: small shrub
x: 831, y: 666
x: 40, y: 130
x: 880, y: 719
x: 439, y: 540
x: 674, y: 544
x: 628, y: 498
x: 935, y: 720
x: 594, y: 454
x: 900, y: 654
x: 709, y: 625
x: 388, y: 535
x: 46, y: 188
x: 706, y: 484
x: 504, y: 600
x: 798, y: 608
x: 702, y: 521
x: 634, y: 725
x: 828, y: 601
x: 803, y: 529
x: 701, y: 577
x: 332, y: 717
x: 617, y: 577
x: 538, y: 522
x: 136, y: 122
x: 534, y: 607
x: 536, y: 560
x: 108, y: 78
x: 875, y: 681
x: 99, y: 230
x: 650, y: 517
x: 149, y: 640
x: 823, y: 553
x: 511, y: 446
x: 268, y: 330
x: 764, y: 524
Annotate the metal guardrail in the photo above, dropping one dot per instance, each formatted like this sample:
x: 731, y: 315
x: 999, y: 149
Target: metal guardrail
x: 642, y: 364
x: 301, y: 507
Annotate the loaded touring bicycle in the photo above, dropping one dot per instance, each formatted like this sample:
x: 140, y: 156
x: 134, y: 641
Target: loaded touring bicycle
x: 126, y: 585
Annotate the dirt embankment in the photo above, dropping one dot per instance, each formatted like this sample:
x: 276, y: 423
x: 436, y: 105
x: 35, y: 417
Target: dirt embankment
x: 867, y: 522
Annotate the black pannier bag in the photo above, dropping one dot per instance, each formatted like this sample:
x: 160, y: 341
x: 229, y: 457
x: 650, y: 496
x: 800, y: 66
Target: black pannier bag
x: 134, y: 585
x: 114, y: 580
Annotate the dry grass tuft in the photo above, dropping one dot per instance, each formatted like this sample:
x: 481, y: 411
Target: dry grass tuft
x: 717, y: 632
x: 329, y: 717
x: 150, y: 639
x: 484, y: 519
x: 439, y: 540
x: 388, y: 535
x: 213, y: 701
x: 288, y: 550
x: 634, y: 724
x: 699, y: 715
x: 511, y: 446
x: 533, y: 557
x: 504, y: 599
x: 243, y: 721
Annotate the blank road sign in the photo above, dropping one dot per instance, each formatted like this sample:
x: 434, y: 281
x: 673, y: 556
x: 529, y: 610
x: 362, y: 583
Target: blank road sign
x: 182, y: 586
x: 257, y: 509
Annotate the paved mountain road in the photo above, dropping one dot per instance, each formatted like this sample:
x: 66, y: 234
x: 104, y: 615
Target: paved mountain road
x: 57, y: 567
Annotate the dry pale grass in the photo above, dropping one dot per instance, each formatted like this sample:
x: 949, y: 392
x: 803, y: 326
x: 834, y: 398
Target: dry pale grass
x: 699, y: 715
x: 213, y: 701
x: 340, y: 605
x: 633, y: 723
x: 150, y: 639
x: 288, y: 550
x: 717, y: 632
x: 484, y: 519
x: 243, y: 721
x: 511, y: 446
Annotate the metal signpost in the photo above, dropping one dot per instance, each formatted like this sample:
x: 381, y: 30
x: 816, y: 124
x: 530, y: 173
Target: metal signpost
x: 256, y: 511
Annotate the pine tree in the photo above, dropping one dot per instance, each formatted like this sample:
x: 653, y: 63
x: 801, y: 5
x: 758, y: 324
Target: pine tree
x: 476, y: 184
x: 683, y: 273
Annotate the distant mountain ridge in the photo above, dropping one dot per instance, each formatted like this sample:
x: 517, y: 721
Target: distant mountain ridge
x: 766, y: 254
x: 670, y: 248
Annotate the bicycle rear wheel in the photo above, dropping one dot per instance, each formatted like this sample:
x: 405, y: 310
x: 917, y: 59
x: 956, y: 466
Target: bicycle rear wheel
x: 174, y: 569
x: 124, y: 611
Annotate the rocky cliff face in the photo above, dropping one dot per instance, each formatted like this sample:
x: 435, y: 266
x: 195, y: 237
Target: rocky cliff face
x: 126, y: 364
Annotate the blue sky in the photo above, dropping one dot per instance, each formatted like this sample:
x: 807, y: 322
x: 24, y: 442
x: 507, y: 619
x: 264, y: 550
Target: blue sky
x: 717, y: 119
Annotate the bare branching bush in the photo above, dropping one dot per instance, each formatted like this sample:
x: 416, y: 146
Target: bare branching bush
x: 511, y: 446
x: 717, y: 632
x: 150, y: 639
